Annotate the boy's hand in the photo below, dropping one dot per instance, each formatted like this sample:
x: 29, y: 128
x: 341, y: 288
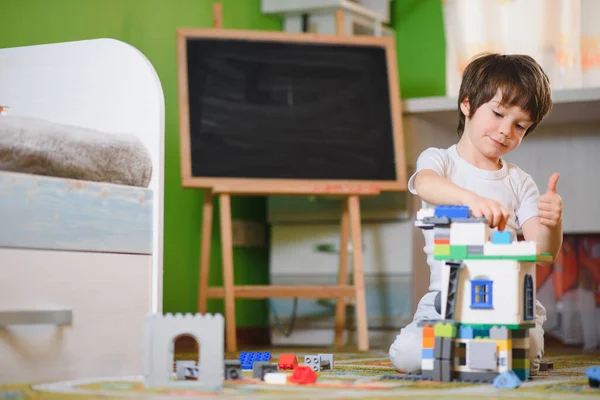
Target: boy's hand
x: 550, y: 204
x: 494, y: 212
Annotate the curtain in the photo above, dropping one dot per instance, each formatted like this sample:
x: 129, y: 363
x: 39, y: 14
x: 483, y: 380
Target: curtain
x: 562, y: 35
x: 570, y: 291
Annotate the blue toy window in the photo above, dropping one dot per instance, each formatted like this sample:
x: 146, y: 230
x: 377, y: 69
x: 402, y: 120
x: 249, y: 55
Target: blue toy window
x: 528, y: 298
x: 481, y: 294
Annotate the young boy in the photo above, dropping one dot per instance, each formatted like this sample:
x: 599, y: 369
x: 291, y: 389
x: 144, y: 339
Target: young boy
x: 502, y: 99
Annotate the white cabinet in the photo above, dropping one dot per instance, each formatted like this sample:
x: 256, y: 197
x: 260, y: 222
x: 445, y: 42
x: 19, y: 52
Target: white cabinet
x: 108, y: 296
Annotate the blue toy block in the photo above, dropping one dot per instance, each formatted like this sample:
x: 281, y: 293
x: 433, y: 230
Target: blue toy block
x: 247, y: 358
x: 501, y: 237
x: 465, y: 332
x: 507, y: 380
x: 452, y: 211
x: 593, y: 374
x: 427, y: 354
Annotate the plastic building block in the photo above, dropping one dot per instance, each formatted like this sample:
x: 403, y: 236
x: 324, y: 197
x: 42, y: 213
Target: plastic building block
x: 452, y: 212
x: 313, y: 361
x: 447, y: 330
x: 162, y: 330
x: 288, y: 361
x: 181, y: 369
x: 319, y: 362
x: 260, y: 368
x: 248, y: 358
x: 303, y: 375
x: 502, y: 237
x: 275, y: 378
x: 482, y: 355
x: 507, y: 380
x: 546, y: 366
x: 593, y: 374
x: 233, y: 370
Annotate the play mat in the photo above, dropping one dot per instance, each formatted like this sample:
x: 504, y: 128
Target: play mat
x: 355, y: 375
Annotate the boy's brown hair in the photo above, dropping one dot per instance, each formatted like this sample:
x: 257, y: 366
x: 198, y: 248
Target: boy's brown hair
x: 521, y: 79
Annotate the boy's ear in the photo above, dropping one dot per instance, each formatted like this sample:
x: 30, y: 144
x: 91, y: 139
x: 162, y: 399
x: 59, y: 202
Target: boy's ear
x: 465, y: 107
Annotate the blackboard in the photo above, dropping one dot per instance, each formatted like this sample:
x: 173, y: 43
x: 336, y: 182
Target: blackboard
x: 284, y: 107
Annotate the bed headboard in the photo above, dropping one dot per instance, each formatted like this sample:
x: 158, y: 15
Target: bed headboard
x: 101, y: 84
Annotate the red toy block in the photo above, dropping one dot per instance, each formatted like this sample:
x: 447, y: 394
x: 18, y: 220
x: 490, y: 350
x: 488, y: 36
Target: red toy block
x: 303, y: 374
x: 288, y: 361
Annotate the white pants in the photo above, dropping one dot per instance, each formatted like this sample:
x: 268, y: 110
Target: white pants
x: 405, y: 352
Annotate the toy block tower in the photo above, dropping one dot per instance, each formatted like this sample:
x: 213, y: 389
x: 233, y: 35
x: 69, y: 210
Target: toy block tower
x: 481, y: 335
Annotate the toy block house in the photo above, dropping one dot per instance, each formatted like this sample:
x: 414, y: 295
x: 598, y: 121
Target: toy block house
x: 487, y: 300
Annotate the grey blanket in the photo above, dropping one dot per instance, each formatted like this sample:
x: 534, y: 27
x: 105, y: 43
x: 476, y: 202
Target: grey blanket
x: 41, y: 147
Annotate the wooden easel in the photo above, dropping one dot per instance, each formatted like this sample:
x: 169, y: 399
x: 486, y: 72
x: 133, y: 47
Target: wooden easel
x: 350, y: 224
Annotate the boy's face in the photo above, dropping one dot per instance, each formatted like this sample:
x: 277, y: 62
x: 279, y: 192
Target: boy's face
x: 495, y: 129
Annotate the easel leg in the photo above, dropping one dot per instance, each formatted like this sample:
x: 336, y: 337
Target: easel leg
x: 340, y: 307
x: 207, y: 214
x: 359, y: 279
x: 227, y: 250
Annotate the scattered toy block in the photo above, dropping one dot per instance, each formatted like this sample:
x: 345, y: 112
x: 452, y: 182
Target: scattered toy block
x: 248, y: 358
x: 260, y: 368
x: 275, y: 378
x: 507, y: 380
x: 288, y: 361
x: 303, y: 375
x: 233, y: 369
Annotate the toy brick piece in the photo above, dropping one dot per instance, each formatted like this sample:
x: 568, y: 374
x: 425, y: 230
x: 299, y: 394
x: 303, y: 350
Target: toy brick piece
x: 248, y: 358
x: 288, y: 361
x: 260, y: 368
x: 275, y: 378
x: 452, y: 212
x: 442, y: 371
x: 181, y: 368
x: 507, y: 380
x: 458, y: 252
x: 313, y: 361
x: 545, y: 365
x: 502, y: 237
x: 233, y: 370
x: 447, y: 330
x: 437, y: 221
x: 482, y: 355
x: 465, y: 332
x: 593, y: 374
x: 475, y: 250
x: 326, y: 361
x: 499, y: 332
x: 303, y: 375
x: 447, y: 349
x: 438, y: 348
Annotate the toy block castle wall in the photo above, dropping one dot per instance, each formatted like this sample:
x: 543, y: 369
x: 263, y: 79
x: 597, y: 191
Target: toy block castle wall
x: 161, y: 333
x: 492, y: 291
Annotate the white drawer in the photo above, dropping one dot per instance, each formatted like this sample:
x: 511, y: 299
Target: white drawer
x: 109, y: 295
x: 313, y: 249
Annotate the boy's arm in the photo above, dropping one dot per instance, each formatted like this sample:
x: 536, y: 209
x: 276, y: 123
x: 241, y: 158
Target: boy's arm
x: 546, y: 229
x: 435, y: 189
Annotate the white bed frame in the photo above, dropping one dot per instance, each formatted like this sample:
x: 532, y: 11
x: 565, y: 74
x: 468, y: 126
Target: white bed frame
x: 110, y: 86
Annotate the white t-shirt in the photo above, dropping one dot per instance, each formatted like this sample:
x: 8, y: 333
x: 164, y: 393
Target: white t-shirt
x: 510, y: 186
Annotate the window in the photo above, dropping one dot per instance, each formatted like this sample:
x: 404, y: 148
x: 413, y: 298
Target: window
x: 528, y: 298
x: 481, y: 294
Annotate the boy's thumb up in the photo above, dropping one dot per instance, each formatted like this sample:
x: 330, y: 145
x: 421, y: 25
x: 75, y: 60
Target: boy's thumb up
x: 552, y: 182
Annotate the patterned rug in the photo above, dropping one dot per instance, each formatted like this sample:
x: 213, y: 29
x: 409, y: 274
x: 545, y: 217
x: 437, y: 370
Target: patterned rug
x: 355, y: 375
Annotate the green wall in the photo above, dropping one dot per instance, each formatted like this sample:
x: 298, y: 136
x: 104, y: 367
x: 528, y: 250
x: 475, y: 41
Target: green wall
x: 150, y: 26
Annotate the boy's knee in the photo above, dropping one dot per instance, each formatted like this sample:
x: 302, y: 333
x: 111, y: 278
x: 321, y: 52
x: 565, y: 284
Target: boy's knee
x: 405, y: 352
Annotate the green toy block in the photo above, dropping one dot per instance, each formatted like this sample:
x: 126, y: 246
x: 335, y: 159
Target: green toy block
x: 458, y: 252
x: 441, y: 250
x: 446, y: 330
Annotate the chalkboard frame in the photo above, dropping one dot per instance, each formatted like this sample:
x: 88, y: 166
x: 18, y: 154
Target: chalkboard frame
x: 258, y: 186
